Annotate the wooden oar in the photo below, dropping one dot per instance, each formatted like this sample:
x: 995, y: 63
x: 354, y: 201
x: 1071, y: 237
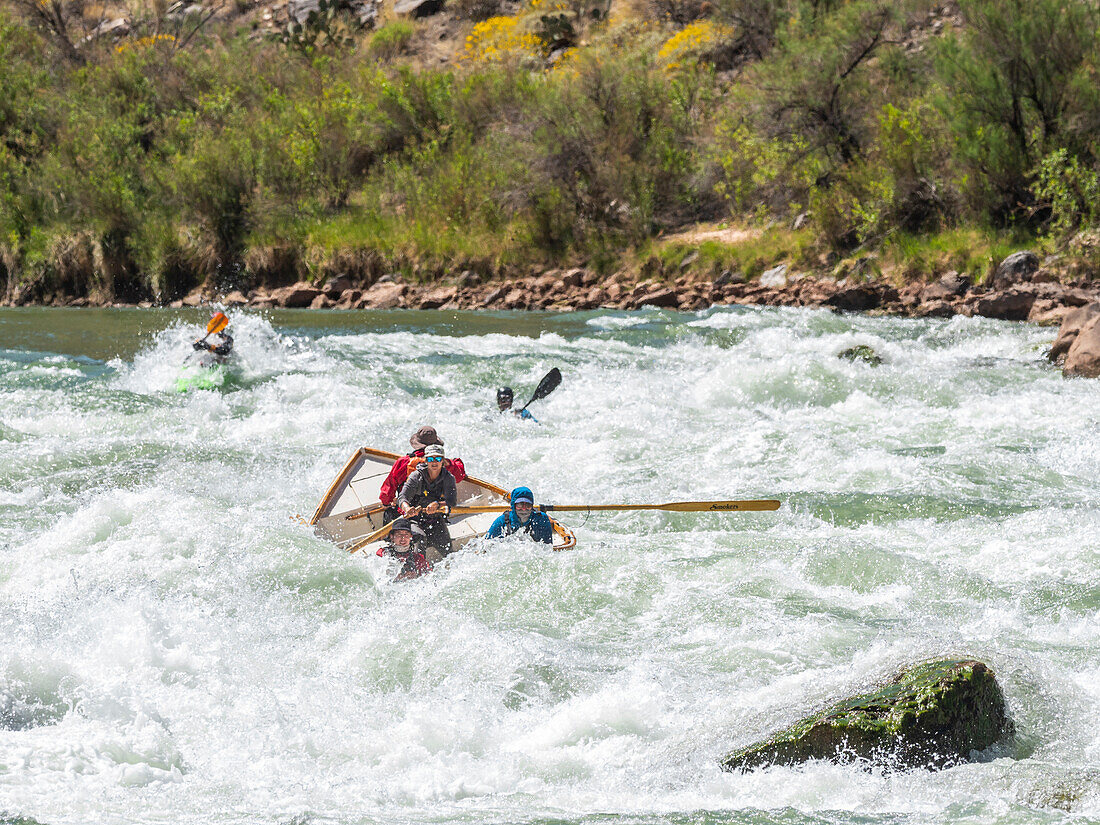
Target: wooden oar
x: 674, y: 506
x: 380, y: 533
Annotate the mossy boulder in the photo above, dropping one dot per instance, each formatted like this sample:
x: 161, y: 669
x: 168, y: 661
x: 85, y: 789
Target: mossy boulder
x: 932, y: 715
x: 862, y: 352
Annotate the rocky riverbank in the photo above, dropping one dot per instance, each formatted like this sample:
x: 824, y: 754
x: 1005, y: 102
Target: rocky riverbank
x: 1020, y: 290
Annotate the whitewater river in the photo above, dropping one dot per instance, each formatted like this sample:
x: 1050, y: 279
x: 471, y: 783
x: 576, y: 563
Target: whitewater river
x: 176, y: 648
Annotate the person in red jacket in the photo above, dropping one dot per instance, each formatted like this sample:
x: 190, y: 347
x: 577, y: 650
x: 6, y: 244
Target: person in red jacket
x: 399, y: 473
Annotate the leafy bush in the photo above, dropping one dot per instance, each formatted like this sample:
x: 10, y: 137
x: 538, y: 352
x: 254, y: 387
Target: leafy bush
x: 391, y: 39
x: 1070, y: 189
x: 1011, y: 80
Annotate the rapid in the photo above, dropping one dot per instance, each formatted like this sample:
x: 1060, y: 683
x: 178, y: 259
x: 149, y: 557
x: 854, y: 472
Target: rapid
x: 175, y: 647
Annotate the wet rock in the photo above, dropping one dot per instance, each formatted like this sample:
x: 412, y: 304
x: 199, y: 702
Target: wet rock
x: 1071, y: 327
x: 861, y: 352
x: 295, y: 296
x: 1007, y: 305
x: 862, y: 297
x: 1059, y: 788
x: 348, y: 298
x: 573, y: 278
x: 1083, y: 357
x: 1016, y: 268
x: 334, y: 287
x: 949, y: 286
x: 383, y: 295
x: 665, y: 298
x: 194, y: 299
x: 438, y: 297
x: 1047, y: 312
x: 235, y: 298
x: 931, y: 715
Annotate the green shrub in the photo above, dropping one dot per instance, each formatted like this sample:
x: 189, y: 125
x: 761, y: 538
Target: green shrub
x: 1011, y: 79
x: 1070, y: 190
x: 391, y: 40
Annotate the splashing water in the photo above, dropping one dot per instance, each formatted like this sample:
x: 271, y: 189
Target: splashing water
x: 178, y: 648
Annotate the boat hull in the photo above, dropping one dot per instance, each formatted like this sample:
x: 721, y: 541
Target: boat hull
x: 350, y: 510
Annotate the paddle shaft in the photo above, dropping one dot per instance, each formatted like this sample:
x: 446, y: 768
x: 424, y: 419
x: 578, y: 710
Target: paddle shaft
x: 674, y: 506
x: 380, y: 533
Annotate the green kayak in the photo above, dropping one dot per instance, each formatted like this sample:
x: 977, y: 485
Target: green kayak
x: 198, y: 377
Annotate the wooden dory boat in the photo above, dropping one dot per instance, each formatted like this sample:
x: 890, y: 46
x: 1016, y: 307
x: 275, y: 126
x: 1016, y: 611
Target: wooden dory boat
x: 351, y: 509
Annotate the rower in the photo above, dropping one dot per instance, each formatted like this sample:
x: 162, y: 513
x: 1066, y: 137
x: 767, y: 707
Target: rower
x: 428, y: 496
x: 523, y: 518
x: 401, y: 468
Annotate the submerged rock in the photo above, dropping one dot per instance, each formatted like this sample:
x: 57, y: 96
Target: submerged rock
x: 931, y: 715
x: 862, y: 352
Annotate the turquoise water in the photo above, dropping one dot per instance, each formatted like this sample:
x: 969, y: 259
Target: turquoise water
x: 177, y: 648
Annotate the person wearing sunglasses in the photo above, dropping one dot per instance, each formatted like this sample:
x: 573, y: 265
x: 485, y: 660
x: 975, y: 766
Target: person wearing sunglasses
x: 427, y: 497
x: 399, y: 472
x: 523, y: 519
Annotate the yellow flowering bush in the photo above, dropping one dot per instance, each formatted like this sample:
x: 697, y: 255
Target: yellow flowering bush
x: 145, y: 42
x: 693, y: 43
x: 499, y: 39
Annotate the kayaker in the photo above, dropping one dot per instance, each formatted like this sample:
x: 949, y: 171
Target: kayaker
x: 399, y: 473
x: 523, y: 518
x: 428, y: 496
x: 405, y: 543
x: 505, y: 397
x: 220, y: 349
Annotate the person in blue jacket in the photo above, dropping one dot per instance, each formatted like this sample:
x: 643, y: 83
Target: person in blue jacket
x: 504, y: 404
x: 523, y: 518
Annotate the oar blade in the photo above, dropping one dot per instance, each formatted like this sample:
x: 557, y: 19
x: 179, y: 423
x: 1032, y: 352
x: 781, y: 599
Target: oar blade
x: 217, y: 323
x: 547, y: 385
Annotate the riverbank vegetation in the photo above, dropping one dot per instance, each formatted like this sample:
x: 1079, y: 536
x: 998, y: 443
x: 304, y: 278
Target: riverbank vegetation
x: 200, y: 147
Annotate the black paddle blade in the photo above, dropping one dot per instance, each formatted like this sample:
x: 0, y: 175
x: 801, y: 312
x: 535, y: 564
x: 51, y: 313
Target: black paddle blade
x: 547, y: 385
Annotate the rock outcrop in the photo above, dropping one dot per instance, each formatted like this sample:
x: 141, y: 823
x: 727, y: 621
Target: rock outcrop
x: 931, y: 715
x: 1083, y: 357
x: 1016, y: 268
x: 1074, y: 321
